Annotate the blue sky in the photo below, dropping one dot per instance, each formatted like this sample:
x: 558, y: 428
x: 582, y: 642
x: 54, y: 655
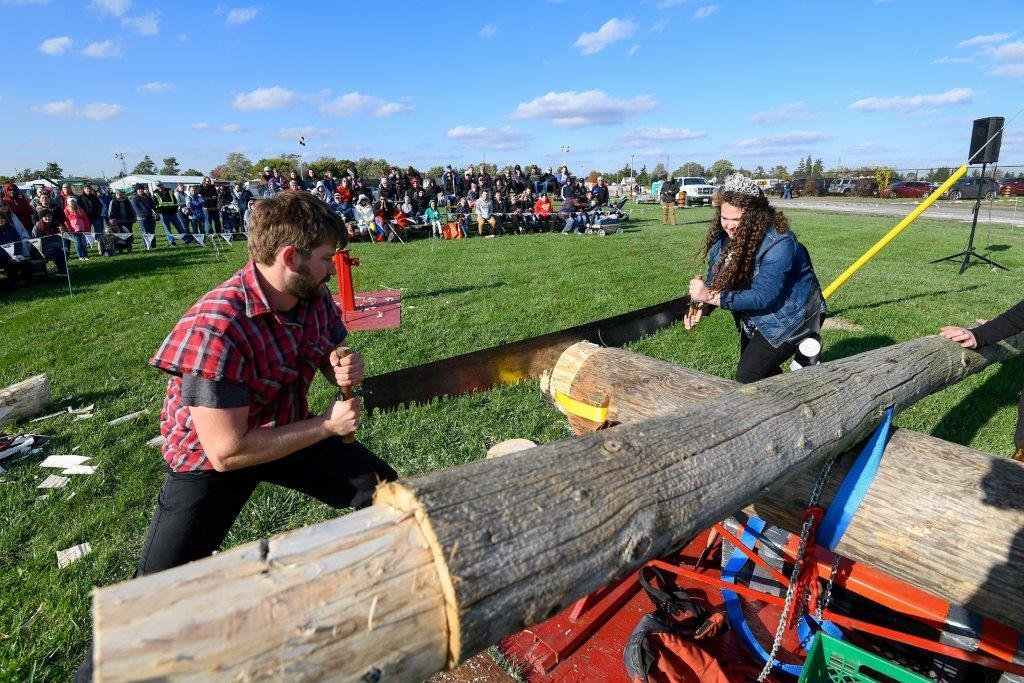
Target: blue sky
x: 856, y: 81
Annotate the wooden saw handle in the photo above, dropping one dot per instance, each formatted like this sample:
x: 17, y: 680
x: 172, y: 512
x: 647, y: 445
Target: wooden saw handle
x: 346, y: 393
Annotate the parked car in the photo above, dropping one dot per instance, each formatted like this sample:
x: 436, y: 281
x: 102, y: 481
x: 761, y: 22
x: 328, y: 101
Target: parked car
x: 698, y: 190
x: 972, y: 188
x: 904, y: 189
x: 1012, y: 187
x: 845, y: 186
x: 865, y: 187
x: 800, y: 186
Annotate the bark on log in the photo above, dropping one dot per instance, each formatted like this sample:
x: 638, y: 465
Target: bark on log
x: 940, y: 516
x: 516, y: 539
x: 496, y: 545
x: 308, y: 605
x: 23, y: 400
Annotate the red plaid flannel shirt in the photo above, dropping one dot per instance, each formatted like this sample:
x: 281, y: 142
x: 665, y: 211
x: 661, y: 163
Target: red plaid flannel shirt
x: 233, y: 335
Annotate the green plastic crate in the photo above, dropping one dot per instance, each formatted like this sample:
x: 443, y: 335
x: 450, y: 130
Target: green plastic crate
x: 835, y: 661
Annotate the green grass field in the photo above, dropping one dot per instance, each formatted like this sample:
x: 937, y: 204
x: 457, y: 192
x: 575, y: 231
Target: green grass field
x: 458, y: 296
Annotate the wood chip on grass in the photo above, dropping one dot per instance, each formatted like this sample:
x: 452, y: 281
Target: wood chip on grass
x: 127, y: 418
x: 72, y: 554
x: 54, y: 481
x: 64, y: 461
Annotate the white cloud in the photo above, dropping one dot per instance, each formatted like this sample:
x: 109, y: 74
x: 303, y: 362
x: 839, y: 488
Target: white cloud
x: 791, y: 139
x: 106, y: 49
x: 665, y: 4
x: 660, y: 26
x: 348, y: 104
x: 478, y: 137
x: 391, y: 109
x: 274, y: 97
x: 155, y: 87
x: 55, y: 46
x: 241, y: 15
x: 791, y: 111
x: 182, y: 37
x: 355, y: 102
x: 906, y: 103
x: 952, y: 60
x: 112, y: 7
x: 577, y: 109
x: 226, y: 128
x: 662, y: 134
x: 146, y: 25
x: 984, y: 40
x: 488, y: 30
x: 309, y: 132
x: 611, y: 31
x: 1011, y: 52
x: 1011, y: 70
x: 632, y: 50
x: 99, y: 111
x: 58, y: 108
x: 705, y: 11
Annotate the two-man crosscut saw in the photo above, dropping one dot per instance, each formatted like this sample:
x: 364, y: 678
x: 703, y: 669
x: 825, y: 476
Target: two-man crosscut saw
x: 512, y: 362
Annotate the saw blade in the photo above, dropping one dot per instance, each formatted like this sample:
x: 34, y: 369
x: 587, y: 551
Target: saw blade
x: 512, y: 362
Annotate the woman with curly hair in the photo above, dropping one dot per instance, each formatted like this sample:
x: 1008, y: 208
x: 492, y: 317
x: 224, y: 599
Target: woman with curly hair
x: 758, y: 270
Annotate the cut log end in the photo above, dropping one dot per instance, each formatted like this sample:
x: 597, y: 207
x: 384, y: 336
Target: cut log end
x: 25, y: 399
x: 402, y: 498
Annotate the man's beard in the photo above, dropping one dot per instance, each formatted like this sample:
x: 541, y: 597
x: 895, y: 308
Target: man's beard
x: 302, y: 285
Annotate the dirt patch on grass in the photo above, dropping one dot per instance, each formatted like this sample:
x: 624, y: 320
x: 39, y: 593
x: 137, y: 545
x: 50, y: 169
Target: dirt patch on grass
x: 837, y: 323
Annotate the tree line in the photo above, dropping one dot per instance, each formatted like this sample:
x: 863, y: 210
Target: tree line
x: 238, y: 167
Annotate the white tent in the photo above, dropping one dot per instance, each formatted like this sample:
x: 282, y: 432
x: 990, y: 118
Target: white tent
x: 30, y: 184
x: 170, y: 181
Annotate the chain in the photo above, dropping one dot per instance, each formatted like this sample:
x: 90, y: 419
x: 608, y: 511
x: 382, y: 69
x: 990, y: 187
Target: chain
x: 794, y: 575
x: 827, y: 594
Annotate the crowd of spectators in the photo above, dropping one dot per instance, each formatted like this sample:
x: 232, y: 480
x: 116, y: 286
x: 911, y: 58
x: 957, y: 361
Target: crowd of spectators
x: 507, y: 203
x: 56, y: 222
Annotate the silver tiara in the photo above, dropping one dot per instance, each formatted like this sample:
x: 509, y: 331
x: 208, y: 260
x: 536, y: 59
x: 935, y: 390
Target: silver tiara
x: 737, y: 182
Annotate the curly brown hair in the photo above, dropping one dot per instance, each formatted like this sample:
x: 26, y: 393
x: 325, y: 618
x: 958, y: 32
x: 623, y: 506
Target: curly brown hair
x: 758, y: 217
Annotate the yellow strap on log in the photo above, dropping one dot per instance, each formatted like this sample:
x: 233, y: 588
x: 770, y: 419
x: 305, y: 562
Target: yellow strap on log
x: 891, y: 235
x: 571, y: 406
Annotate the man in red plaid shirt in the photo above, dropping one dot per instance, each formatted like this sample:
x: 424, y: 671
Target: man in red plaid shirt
x: 240, y: 363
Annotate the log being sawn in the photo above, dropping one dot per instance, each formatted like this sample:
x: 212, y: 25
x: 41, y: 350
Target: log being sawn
x: 940, y: 516
x: 447, y: 563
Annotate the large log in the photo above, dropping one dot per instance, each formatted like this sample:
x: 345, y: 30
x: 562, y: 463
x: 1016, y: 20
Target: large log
x: 509, y: 541
x: 23, y: 400
x: 516, y: 539
x: 311, y: 604
x: 940, y: 516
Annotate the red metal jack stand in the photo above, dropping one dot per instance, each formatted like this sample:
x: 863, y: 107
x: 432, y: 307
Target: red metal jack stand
x: 366, y: 310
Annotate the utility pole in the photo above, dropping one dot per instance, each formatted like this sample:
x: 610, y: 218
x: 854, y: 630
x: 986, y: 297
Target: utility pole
x: 565, y: 150
x: 120, y: 157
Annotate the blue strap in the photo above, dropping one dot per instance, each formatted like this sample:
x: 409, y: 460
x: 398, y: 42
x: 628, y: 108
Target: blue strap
x: 734, y: 608
x: 855, y: 487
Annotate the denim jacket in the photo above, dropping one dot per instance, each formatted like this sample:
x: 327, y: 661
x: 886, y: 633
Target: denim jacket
x: 781, y: 286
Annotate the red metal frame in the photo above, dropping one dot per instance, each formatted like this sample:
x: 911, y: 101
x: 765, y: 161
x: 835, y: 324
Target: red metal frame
x: 365, y: 310
x: 997, y: 640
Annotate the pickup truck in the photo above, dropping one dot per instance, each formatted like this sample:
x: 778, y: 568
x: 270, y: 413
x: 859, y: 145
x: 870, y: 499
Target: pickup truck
x: 698, y: 191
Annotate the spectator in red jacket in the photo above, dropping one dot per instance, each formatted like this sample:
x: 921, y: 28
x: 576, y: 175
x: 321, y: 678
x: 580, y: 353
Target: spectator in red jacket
x: 77, y: 224
x: 20, y: 207
x: 543, y: 209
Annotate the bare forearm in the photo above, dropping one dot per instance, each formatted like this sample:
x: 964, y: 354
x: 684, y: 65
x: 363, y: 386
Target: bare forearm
x: 266, y: 444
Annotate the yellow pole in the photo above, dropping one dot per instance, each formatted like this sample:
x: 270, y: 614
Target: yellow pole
x: 891, y: 235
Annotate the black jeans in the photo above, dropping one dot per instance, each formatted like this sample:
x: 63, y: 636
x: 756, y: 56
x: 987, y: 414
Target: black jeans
x: 1018, y: 435
x: 195, y: 510
x: 759, y: 359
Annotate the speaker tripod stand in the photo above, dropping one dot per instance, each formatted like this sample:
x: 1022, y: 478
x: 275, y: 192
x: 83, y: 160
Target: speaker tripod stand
x: 970, y: 252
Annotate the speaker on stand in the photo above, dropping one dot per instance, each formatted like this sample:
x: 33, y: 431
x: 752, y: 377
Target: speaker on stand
x: 986, y: 139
